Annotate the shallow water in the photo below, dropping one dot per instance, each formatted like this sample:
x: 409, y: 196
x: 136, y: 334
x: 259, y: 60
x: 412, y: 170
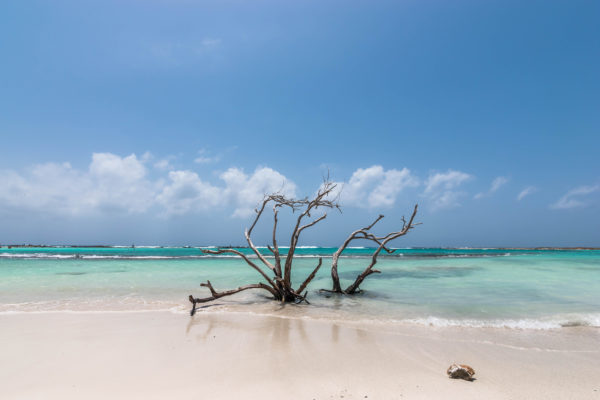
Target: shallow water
x: 514, y: 288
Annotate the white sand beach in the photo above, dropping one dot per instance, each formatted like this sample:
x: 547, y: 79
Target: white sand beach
x: 160, y: 355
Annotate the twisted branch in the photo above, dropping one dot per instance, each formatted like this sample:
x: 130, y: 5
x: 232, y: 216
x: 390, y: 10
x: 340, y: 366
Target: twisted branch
x: 320, y: 200
x: 216, y: 295
x: 253, y: 265
x: 406, y: 226
x: 310, y: 277
x: 275, y: 249
x: 248, y: 232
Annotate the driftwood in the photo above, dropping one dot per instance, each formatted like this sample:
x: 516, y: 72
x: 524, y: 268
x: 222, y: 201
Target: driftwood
x: 280, y: 285
x: 381, y: 241
x: 277, y: 274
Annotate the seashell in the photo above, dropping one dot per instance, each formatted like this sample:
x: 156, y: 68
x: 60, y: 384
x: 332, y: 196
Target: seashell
x: 460, y: 371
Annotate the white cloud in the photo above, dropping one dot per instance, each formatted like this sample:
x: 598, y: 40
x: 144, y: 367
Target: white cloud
x: 119, y: 183
x: 50, y: 186
x: 114, y: 184
x: 164, y: 165
x: 374, y: 187
x: 245, y: 192
x: 496, y: 184
x: 186, y: 192
x: 440, y: 188
x: 573, y: 199
x: 526, y: 192
x: 204, y: 158
x: 146, y: 157
x: 112, y: 167
x: 111, y: 183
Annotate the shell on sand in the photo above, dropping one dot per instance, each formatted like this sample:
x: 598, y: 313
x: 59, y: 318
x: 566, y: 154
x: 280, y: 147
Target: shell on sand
x: 460, y: 371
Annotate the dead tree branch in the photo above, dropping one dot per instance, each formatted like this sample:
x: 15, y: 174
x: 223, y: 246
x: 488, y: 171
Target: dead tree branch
x: 280, y: 285
x: 365, y: 234
x: 310, y: 277
x: 216, y: 295
x: 248, y: 261
x: 249, y: 232
x: 320, y: 200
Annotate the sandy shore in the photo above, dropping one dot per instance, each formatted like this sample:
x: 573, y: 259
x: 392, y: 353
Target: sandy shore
x: 159, y: 355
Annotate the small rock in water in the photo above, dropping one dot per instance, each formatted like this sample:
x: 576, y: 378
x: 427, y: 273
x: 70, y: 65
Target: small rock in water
x: 460, y: 371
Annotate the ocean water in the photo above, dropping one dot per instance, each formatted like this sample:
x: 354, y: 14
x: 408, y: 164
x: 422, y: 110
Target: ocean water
x: 511, y: 288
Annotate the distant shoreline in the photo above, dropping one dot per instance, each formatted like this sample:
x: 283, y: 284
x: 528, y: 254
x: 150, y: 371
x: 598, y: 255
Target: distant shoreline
x: 70, y: 246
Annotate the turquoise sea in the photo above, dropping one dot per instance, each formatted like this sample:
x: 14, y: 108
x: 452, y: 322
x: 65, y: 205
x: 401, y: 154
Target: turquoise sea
x: 512, y: 288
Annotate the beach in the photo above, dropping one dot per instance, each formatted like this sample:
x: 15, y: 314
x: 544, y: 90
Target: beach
x: 114, y: 322
x: 228, y: 355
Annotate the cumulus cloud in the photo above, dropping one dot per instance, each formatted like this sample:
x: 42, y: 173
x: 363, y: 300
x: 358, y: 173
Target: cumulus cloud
x: 119, y: 183
x: 573, y: 198
x: 441, y: 188
x: 496, y: 184
x: 526, y: 192
x: 186, y: 192
x: 246, y: 191
x: 115, y: 184
x: 374, y: 187
x: 111, y: 183
x: 164, y: 164
x: 51, y: 186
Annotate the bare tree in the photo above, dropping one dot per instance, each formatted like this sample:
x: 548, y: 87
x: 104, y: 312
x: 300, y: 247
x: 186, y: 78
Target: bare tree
x: 280, y: 285
x: 381, y: 241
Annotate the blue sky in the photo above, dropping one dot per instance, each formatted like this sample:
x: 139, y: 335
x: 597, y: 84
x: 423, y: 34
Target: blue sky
x: 162, y: 122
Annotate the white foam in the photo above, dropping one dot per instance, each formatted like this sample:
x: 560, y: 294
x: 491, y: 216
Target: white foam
x: 95, y: 256
x: 556, y: 322
x: 37, y: 255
